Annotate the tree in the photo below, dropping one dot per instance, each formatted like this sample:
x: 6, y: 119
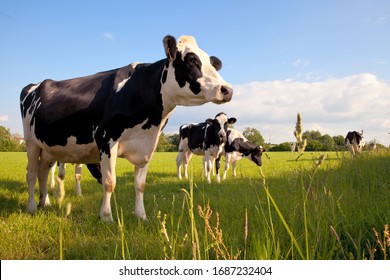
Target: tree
x: 168, y: 143
x: 8, y: 142
x: 327, y: 143
x: 314, y: 145
x: 312, y: 135
x: 285, y: 146
x: 254, y: 136
x: 163, y: 143
x: 174, y: 141
x: 339, y: 142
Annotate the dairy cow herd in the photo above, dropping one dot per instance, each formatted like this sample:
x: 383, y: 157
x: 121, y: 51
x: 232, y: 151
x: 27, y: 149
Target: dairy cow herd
x: 95, y: 119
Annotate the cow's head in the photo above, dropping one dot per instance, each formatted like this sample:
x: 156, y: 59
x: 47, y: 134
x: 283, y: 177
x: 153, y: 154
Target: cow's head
x: 220, y: 125
x: 195, y: 72
x: 255, y: 155
x: 361, y: 142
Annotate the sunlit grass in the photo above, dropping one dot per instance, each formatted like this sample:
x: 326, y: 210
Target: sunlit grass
x: 300, y: 211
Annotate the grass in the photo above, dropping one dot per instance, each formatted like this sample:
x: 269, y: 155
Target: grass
x: 298, y: 210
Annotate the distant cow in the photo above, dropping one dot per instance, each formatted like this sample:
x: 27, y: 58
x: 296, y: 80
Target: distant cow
x: 206, y: 138
x: 117, y: 113
x: 237, y: 147
x: 292, y: 146
x: 355, y: 142
x: 93, y: 168
x: 372, y: 145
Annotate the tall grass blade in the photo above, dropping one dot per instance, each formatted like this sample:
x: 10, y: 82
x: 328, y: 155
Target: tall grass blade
x: 289, y: 231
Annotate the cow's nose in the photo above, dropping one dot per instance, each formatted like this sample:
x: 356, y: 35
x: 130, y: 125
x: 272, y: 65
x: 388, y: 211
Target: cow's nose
x: 222, y: 136
x: 227, y: 93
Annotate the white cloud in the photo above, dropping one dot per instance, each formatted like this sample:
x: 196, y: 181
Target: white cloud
x: 333, y: 106
x: 108, y: 36
x: 301, y: 62
x: 4, y: 118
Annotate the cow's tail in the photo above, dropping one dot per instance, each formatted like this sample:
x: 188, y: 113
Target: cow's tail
x: 95, y: 170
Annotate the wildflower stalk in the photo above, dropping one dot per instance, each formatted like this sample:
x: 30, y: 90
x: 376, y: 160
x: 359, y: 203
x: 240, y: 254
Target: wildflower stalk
x: 298, y: 135
x: 386, y: 240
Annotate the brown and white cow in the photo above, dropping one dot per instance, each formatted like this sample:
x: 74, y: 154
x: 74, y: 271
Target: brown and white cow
x: 116, y: 113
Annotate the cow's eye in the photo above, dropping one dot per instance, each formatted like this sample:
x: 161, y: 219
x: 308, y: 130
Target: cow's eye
x: 193, y: 61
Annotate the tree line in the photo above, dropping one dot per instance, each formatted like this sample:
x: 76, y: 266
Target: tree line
x: 170, y: 142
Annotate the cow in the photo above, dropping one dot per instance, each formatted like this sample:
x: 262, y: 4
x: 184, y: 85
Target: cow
x: 206, y: 138
x: 292, y: 146
x: 354, y: 141
x: 372, y: 145
x: 93, y: 168
x: 116, y: 113
x: 237, y: 147
x: 61, y: 176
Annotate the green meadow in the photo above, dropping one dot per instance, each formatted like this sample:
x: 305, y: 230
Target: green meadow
x: 334, y: 210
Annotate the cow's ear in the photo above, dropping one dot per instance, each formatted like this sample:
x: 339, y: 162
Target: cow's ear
x: 216, y: 62
x: 232, y: 120
x: 170, y: 47
x: 210, y: 121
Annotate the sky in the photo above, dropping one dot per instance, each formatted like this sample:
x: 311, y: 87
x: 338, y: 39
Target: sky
x: 327, y: 59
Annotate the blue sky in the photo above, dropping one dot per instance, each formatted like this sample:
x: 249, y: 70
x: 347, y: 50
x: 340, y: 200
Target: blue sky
x: 329, y: 60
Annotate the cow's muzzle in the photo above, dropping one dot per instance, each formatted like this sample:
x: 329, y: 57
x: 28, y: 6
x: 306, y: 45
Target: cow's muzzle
x: 227, y: 93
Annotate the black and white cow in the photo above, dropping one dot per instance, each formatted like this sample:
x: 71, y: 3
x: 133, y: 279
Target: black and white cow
x: 61, y: 176
x: 117, y: 113
x: 237, y: 147
x: 206, y: 138
x: 355, y: 142
x: 93, y: 168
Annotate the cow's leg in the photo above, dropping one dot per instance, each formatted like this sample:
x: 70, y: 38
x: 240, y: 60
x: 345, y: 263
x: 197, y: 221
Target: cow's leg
x: 234, y: 163
x: 52, y: 176
x: 139, y: 186
x: 43, y: 173
x: 217, y: 167
x: 77, y: 175
x: 186, y: 160
x: 179, y: 161
x: 33, y: 153
x: 108, y: 163
x: 207, y: 163
x: 227, y: 162
x: 60, y: 179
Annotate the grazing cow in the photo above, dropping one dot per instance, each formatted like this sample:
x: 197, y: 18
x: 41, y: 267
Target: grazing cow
x: 372, y: 145
x: 93, y: 168
x: 206, y: 138
x: 292, y: 146
x: 237, y: 147
x: 355, y: 142
x: 117, y: 113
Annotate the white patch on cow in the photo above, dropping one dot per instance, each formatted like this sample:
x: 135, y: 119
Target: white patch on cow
x: 30, y: 91
x: 33, y: 88
x: 121, y: 84
x: 137, y: 144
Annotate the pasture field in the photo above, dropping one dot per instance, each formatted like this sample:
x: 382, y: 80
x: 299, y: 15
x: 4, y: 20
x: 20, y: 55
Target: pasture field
x: 297, y: 210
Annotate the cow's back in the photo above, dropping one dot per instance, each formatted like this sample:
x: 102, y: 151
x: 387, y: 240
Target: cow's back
x: 54, y: 112
x: 195, y: 135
